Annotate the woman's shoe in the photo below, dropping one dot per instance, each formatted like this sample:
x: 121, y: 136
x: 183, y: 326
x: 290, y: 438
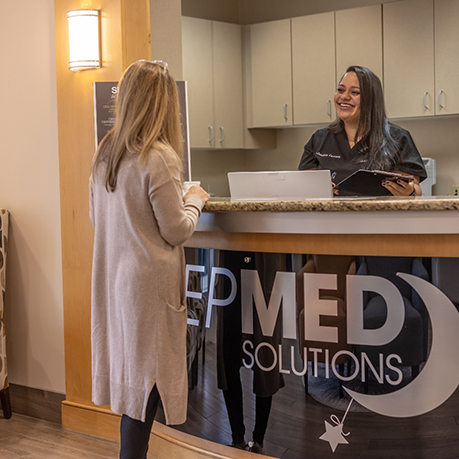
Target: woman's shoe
x: 255, y: 447
x: 242, y: 445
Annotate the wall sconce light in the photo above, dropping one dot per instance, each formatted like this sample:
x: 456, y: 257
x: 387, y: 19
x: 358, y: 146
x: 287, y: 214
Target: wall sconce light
x: 84, y: 39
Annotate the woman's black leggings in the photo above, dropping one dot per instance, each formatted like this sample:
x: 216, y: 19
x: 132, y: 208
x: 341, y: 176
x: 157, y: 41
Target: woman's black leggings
x: 135, y: 434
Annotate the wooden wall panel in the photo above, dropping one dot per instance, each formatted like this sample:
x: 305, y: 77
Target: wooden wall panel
x: 76, y: 150
x: 135, y: 21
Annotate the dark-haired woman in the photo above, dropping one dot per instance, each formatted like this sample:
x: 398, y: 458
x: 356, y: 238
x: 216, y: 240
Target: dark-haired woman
x: 363, y: 138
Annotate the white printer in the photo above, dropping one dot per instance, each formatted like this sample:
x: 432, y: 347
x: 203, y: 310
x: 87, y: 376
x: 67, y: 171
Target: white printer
x: 431, y: 180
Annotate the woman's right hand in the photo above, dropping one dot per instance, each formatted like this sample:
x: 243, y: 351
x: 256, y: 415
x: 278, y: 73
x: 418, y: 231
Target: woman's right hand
x: 200, y: 192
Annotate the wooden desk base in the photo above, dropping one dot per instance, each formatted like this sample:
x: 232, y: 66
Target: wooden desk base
x: 170, y: 443
x: 165, y: 442
x: 419, y: 245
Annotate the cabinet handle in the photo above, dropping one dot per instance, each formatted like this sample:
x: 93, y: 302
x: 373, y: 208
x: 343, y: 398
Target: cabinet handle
x: 425, y: 101
x: 222, y: 134
x: 328, y: 107
x: 439, y: 98
x: 211, y: 133
x: 285, y: 112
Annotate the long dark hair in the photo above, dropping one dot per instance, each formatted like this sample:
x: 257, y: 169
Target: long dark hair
x: 379, y: 148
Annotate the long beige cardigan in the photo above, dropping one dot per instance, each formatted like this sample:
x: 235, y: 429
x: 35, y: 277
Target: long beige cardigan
x: 138, y: 286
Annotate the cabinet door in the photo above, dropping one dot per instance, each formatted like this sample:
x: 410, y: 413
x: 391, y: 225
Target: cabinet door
x: 446, y: 56
x: 227, y: 71
x: 360, y: 45
x: 409, y: 58
x: 197, y: 71
x: 271, y: 80
x: 313, y: 61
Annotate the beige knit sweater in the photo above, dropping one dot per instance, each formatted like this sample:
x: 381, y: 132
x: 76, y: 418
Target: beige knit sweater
x: 138, y: 286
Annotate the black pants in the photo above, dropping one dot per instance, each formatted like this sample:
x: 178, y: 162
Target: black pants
x: 234, y: 405
x: 135, y: 434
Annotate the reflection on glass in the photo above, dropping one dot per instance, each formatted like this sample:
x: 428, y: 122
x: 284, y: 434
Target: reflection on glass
x: 271, y: 313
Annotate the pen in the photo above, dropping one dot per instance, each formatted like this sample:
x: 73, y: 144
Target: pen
x: 333, y: 177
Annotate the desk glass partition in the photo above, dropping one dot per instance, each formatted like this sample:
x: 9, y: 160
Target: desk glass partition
x: 324, y: 356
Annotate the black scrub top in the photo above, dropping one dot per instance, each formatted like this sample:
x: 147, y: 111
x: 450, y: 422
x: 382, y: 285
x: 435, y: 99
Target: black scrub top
x: 326, y: 150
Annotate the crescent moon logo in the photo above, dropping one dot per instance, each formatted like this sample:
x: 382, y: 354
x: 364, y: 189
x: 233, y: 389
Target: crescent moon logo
x: 440, y: 376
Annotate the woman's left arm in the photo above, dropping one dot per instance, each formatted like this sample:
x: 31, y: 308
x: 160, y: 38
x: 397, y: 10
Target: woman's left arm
x: 402, y: 187
x: 176, y: 215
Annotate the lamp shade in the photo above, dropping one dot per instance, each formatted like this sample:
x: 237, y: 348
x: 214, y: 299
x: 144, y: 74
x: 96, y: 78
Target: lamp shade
x: 84, y: 39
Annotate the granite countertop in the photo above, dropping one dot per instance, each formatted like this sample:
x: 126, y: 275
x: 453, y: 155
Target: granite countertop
x: 386, y: 203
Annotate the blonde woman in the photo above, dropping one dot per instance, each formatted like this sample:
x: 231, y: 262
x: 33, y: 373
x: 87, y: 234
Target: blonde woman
x: 138, y: 285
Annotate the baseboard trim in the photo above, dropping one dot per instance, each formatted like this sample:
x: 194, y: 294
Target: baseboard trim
x: 92, y: 420
x: 168, y: 442
x: 36, y: 403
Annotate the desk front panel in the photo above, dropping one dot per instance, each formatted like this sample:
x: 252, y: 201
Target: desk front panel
x: 355, y: 351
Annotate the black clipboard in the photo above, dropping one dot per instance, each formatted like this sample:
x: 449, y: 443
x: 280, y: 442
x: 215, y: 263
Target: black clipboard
x: 368, y: 183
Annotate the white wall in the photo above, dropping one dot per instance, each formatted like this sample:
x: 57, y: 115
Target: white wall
x: 29, y: 189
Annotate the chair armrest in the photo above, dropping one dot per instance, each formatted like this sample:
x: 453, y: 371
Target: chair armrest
x: 307, y: 268
x: 363, y: 271
x: 352, y: 268
x: 419, y: 270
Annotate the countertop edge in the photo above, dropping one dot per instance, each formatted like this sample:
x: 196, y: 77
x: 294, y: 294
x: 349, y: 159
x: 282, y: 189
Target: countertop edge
x: 449, y: 203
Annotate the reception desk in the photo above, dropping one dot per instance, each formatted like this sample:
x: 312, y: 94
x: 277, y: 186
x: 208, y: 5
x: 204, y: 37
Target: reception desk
x: 426, y: 226
x: 378, y: 227
x: 412, y: 419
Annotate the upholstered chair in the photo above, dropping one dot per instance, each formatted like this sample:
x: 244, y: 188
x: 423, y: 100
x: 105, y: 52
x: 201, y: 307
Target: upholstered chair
x: 195, y: 337
x: 412, y: 343
x: 4, y: 390
x: 342, y: 266
x: 444, y: 276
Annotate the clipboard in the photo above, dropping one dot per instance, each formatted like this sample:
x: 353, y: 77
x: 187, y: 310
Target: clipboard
x: 368, y: 183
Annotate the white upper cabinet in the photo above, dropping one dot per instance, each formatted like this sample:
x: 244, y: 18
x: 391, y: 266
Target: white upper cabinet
x: 446, y: 57
x: 271, y: 74
x: 313, y: 62
x: 227, y: 71
x: 421, y: 66
x: 290, y: 68
x: 197, y: 72
x: 359, y: 39
x: 409, y: 84
x: 212, y: 67
x: 322, y: 47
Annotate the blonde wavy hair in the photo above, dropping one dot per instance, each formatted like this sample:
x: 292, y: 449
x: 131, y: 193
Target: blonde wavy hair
x: 147, y: 116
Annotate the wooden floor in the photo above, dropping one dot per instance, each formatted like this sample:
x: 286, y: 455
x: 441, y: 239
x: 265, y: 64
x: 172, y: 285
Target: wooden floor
x: 372, y: 436
x: 30, y: 438
x: 295, y: 427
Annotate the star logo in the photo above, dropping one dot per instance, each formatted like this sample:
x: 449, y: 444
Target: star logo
x: 334, y: 435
